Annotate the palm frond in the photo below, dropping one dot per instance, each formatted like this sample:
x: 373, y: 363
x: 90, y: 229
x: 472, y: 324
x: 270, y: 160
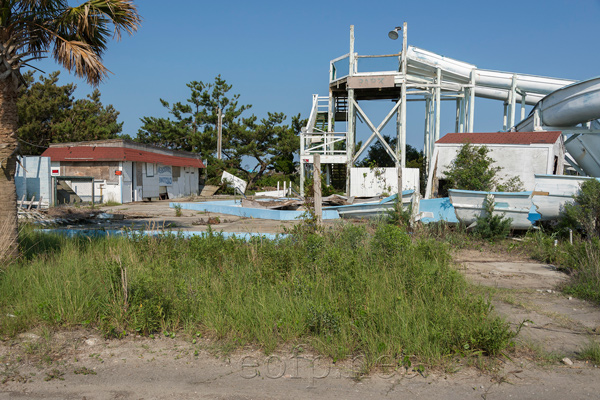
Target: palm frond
x: 77, y: 36
x: 80, y: 58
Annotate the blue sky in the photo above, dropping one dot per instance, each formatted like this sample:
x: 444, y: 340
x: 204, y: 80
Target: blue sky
x: 276, y: 54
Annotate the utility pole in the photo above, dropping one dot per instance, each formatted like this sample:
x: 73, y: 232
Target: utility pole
x: 219, y: 132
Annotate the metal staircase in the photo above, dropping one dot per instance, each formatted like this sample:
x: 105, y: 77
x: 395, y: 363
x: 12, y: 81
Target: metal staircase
x: 318, y: 138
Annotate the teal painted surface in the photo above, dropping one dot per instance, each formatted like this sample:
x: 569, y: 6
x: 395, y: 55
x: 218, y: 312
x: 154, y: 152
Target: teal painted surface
x: 99, y: 233
x: 230, y: 207
x: 441, y: 209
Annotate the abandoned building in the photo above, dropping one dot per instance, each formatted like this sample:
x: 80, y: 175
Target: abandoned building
x: 120, y: 171
x: 521, y: 154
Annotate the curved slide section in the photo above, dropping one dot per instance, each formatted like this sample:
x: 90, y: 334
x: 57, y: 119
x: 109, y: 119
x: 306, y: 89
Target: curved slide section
x: 575, y: 104
x: 566, y: 107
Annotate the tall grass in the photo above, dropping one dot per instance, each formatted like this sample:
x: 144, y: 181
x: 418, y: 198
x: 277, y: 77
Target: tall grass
x: 347, y: 291
x: 581, y: 260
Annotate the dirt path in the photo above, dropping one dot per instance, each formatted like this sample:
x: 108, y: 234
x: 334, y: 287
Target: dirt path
x: 88, y: 367
x: 557, y: 325
x: 83, y: 365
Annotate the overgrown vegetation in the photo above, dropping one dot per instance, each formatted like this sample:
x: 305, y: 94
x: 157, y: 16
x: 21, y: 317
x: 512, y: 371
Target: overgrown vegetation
x: 491, y: 226
x: 581, y: 259
x: 473, y: 169
x: 584, y: 213
x: 370, y: 290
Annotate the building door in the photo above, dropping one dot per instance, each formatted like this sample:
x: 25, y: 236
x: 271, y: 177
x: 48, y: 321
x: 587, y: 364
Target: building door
x: 127, y: 181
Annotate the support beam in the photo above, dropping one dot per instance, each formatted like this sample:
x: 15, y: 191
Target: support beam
x: 438, y: 103
x: 513, y: 101
x: 427, y: 133
x: 351, y: 123
x: 472, y: 103
x: 457, y: 118
x: 376, y: 131
x: 350, y: 136
x: 401, y: 139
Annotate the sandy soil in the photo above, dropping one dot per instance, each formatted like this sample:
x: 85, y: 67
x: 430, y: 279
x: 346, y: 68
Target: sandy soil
x: 83, y: 365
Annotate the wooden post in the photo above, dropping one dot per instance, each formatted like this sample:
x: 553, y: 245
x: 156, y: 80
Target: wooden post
x: 219, y: 132
x: 31, y: 202
x: 317, y: 188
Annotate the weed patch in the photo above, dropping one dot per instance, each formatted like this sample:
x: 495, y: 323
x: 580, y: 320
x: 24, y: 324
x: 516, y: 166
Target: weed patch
x: 370, y: 290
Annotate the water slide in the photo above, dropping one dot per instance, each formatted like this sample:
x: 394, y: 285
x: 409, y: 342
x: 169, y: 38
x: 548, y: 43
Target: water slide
x: 496, y: 85
x: 560, y: 104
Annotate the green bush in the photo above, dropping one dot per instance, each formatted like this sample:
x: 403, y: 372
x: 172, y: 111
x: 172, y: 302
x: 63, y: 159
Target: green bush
x: 490, y: 226
x: 472, y: 170
x: 584, y: 213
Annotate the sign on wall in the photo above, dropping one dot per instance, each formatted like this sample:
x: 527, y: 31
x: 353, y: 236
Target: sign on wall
x: 165, y: 175
x: 165, y: 180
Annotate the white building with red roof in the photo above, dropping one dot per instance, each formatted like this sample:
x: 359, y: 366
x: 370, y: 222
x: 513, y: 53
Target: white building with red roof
x: 122, y: 171
x: 521, y: 154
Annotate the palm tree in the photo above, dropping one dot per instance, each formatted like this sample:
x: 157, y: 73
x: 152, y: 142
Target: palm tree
x: 76, y: 37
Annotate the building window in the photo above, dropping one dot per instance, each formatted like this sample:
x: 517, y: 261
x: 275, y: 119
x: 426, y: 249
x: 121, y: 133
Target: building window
x: 149, y: 170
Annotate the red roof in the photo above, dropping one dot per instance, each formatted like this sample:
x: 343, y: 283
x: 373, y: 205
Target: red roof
x: 501, y: 137
x: 99, y: 153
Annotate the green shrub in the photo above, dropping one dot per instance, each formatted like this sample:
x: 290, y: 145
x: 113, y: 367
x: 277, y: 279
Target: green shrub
x: 584, y: 213
x: 472, y: 170
x: 490, y: 226
x: 398, y: 215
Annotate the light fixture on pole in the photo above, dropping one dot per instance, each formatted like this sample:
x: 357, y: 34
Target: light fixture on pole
x: 393, y: 34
